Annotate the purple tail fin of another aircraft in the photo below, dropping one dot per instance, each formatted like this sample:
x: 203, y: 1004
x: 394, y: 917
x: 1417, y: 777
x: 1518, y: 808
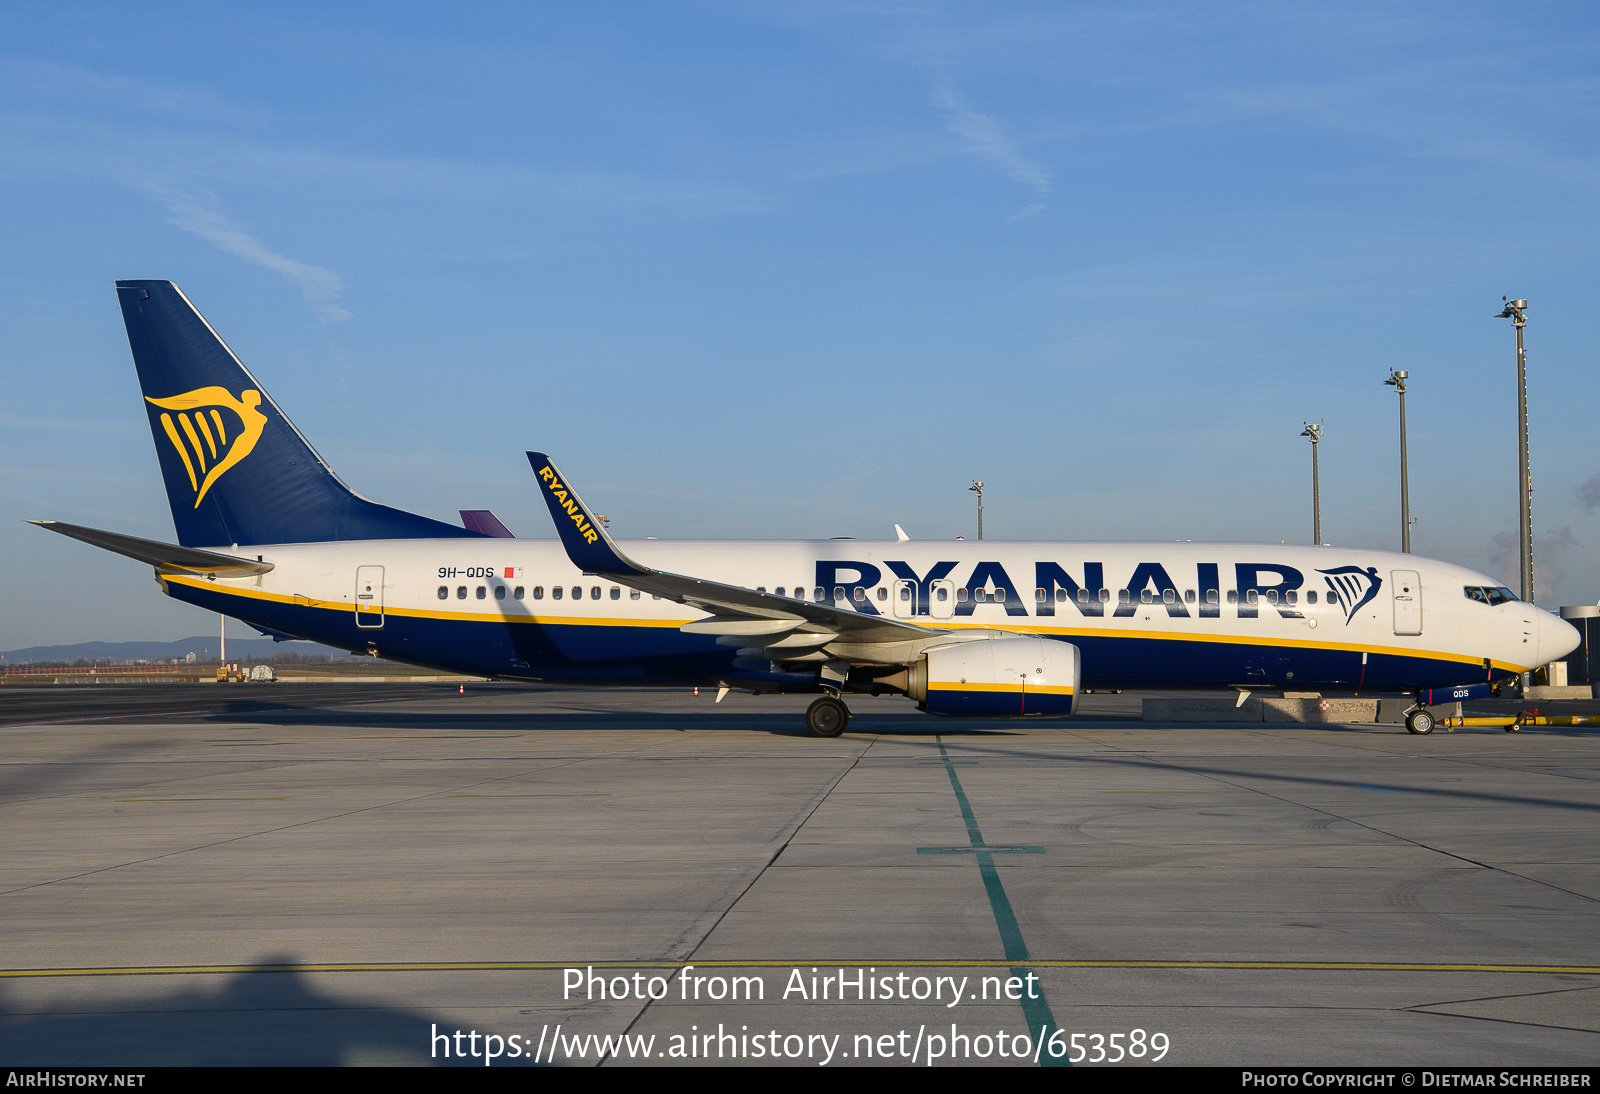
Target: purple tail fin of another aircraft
x: 484, y: 522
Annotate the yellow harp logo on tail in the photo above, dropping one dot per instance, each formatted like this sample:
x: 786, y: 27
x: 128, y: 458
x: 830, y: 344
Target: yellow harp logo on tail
x: 206, y: 441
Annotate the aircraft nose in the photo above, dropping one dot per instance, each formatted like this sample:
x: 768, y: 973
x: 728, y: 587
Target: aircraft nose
x: 1557, y: 637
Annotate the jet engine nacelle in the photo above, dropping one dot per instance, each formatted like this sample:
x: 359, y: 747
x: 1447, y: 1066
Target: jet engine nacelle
x: 999, y: 678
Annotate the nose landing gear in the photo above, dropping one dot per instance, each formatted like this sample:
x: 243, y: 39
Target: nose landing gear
x: 1419, y: 721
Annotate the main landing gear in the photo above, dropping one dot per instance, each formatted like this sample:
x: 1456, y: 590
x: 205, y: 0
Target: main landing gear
x: 827, y: 717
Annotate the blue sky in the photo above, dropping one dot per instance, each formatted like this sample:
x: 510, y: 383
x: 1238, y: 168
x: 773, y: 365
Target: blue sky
x: 806, y: 270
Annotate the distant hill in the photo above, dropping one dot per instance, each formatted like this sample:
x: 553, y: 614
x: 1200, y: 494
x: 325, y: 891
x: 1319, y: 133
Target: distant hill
x: 204, y: 647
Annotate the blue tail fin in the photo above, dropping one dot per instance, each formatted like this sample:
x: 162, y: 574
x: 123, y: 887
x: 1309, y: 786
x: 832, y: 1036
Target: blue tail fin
x: 236, y: 469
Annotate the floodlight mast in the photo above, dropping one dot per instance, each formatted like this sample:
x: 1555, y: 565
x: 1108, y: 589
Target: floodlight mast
x: 1517, y: 312
x: 1314, y: 431
x: 978, y: 487
x: 1397, y: 380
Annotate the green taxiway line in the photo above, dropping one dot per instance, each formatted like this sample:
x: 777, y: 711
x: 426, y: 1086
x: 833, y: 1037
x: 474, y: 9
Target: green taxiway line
x: 1041, y: 1022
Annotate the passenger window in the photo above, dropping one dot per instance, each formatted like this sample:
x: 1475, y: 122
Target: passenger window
x: 761, y: 588
x: 499, y: 592
x: 905, y: 594
x: 1083, y: 596
x: 538, y: 592
x: 1211, y: 596
x: 461, y: 592
x: 961, y: 596
x: 1039, y: 596
x: 778, y: 591
x: 1272, y: 596
x: 1250, y: 596
x: 444, y: 592
x: 577, y: 592
x: 616, y: 593
x: 883, y: 594
x: 860, y: 593
x: 1105, y: 596
x: 980, y: 594
x: 1061, y: 595
x: 819, y: 595
x: 633, y: 594
x: 557, y: 592
x: 482, y: 592
x: 1233, y: 596
x: 999, y: 596
x: 941, y: 594
x: 1169, y: 596
x: 1311, y: 596
x: 1292, y: 597
x: 1188, y: 594
x: 1124, y: 596
x: 517, y: 594
x: 1145, y: 596
x: 838, y: 592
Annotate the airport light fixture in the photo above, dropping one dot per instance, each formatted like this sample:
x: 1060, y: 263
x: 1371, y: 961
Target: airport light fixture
x: 1314, y: 431
x: 1517, y: 312
x: 1397, y: 380
x: 978, y: 487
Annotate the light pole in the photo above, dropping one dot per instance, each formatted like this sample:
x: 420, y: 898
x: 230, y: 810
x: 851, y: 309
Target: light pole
x: 1314, y: 431
x: 978, y: 487
x: 1517, y: 312
x: 1397, y: 380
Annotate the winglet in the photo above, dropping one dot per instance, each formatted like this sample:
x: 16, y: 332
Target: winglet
x: 587, y: 544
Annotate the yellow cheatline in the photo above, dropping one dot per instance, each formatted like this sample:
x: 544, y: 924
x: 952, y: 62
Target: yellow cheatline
x: 1031, y: 689
x: 617, y: 621
x: 895, y: 963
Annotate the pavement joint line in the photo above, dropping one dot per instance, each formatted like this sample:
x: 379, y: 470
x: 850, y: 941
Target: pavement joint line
x: 1278, y: 797
x: 855, y: 760
x: 764, y: 963
x: 1036, y: 1011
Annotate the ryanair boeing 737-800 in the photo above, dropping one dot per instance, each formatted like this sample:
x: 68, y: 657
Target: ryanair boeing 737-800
x: 268, y: 534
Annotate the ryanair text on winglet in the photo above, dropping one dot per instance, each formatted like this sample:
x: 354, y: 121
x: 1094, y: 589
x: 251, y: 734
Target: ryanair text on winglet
x: 559, y: 490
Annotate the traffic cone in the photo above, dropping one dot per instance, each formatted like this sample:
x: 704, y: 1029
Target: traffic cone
x: 463, y: 689
x: 697, y: 693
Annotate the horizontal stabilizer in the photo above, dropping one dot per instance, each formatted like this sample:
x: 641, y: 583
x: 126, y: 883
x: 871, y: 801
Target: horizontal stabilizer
x: 164, y: 556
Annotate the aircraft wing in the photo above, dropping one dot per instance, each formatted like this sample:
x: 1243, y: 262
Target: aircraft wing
x: 164, y: 556
x: 740, y: 611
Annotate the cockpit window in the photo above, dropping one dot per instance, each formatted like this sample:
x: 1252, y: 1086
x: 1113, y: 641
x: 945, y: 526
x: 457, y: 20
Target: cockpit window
x: 1488, y: 595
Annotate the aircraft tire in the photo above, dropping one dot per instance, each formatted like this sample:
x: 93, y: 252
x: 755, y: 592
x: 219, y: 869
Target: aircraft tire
x: 1513, y: 728
x: 827, y: 717
x: 1419, y: 722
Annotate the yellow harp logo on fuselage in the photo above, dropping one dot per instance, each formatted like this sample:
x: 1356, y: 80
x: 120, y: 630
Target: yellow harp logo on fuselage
x: 213, y: 447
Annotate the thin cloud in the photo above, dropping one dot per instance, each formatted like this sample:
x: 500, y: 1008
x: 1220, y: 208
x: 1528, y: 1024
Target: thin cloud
x: 1589, y: 494
x: 320, y: 287
x: 1553, y: 554
x: 65, y: 425
x: 986, y: 137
